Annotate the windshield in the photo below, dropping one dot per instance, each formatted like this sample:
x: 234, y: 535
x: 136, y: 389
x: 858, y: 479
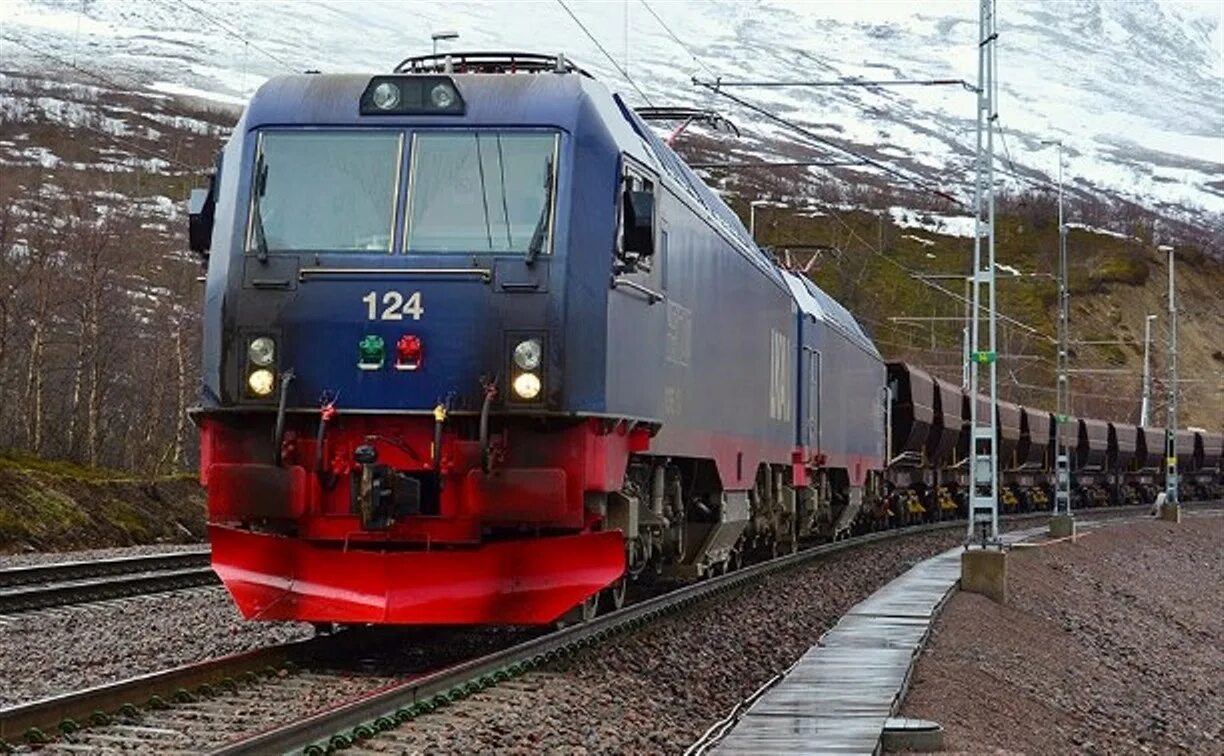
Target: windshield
x: 481, y: 192
x: 318, y: 191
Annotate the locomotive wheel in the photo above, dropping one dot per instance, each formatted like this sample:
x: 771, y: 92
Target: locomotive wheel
x: 616, y: 593
x: 590, y: 608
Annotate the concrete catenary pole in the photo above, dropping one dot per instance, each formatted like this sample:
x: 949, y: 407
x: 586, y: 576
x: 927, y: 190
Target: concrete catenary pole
x: 1171, y: 421
x: 983, y: 452
x: 1062, y: 497
x: 1147, y: 371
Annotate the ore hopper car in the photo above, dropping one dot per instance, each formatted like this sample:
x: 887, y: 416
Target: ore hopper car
x: 1036, y: 458
x: 1123, y: 450
x: 1206, y: 480
x: 1147, y: 471
x: 912, y: 438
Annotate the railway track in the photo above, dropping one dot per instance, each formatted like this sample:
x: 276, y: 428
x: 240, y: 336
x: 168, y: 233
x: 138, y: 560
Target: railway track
x: 24, y: 589
x: 222, y: 706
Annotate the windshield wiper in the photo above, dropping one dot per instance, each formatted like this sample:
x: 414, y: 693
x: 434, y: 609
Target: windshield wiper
x: 541, y: 228
x: 260, y: 186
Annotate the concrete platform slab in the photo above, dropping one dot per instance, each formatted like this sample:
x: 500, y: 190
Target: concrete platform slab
x: 839, y: 695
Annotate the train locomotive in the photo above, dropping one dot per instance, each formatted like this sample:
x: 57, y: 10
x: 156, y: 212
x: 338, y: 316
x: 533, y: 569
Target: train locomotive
x: 479, y: 348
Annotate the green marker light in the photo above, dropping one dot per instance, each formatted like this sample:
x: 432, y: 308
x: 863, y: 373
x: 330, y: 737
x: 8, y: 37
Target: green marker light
x: 372, y: 352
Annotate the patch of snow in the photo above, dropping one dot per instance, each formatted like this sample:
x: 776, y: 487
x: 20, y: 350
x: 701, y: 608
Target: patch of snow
x: 948, y: 225
x: 1101, y: 231
x: 161, y: 205
x: 919, y: 239
x: 174, y: 88
x: 41, y: 155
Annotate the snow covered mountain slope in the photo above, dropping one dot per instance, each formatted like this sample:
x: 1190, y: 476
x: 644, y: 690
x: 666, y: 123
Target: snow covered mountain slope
x: 1134, y: 89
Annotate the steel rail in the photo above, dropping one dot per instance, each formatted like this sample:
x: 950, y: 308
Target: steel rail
x: 33, y: 598
x: 397, y: 704
x: 48, y: 714
x: 82, y: 569
x: 43, y: 586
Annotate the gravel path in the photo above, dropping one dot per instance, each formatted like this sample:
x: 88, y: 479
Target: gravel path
x: 56, y: 651
x: 1114, y: 644
x: 86, y: 555
x: 658, y: 690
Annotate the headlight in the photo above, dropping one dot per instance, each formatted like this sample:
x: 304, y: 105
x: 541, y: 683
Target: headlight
x: 527, y: 386
x: 527, y: 354
x: 261, y: 382
x: 385, y: 96
x: 262, y: 351
x: 441, y: 95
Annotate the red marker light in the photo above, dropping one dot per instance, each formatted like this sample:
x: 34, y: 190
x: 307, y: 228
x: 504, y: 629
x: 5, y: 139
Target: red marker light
x: 408, y: 352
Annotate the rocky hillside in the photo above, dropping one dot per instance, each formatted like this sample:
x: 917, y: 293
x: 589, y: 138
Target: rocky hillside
x: 1134, y: 90
x: 99, y: 301
x: 58, y: 506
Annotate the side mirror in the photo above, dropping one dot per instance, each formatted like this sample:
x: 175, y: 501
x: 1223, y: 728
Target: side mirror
x: 200, y: 209
x: 639, y: 223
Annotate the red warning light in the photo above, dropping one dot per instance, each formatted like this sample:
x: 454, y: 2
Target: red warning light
x: 408, y: 352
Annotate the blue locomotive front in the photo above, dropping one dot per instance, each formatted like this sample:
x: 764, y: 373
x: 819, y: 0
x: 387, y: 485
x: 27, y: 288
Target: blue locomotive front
x: 478, y: 347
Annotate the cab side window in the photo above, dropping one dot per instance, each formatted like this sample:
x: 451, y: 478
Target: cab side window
x: 635, y: 242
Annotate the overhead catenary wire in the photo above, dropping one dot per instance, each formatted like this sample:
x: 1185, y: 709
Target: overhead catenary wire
x: 606, y: 54
x: 1011, y: 164
x: 716, y: 88
x: 808, y: 133
x: 677, y: 40
x: 720, y: 84
x: 776, y: 164
x: 852, y: 83
x: 234, y: 33
x: 927, y: 281
x: 115, y: 138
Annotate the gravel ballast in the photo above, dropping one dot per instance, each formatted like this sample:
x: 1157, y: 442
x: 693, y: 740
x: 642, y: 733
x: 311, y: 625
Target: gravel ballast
x: 657, y: 690
x: 57, y: 651
x: 1113, y: 644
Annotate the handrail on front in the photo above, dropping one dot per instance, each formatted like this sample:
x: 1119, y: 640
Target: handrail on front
x: 485, y: 274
